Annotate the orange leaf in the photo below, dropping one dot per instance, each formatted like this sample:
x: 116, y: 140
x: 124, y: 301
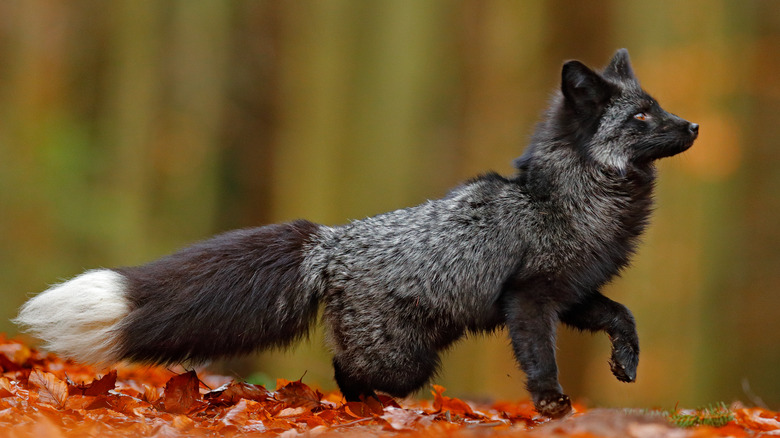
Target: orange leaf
x: 312, y: 420
x: 360, y: 410
x: 131, y: 406
x: 15, y: 352
x: 181, y: 394
x: 405, y: 419
x: 387, y: 401
x: 279, y: 425
x: 455, y: 406
x: 7, y: 365
x: 51, y: 390
x: 5, y: 387
x: 99, y: 386
x: 730, y: 430
x: 78, y: 401
x: 235, y: 391
x: 237, y: 415
x: 523, y: 411
x: 298, y: 394
x: 757, y: 419
x: 183, y: 423
x: 151, y: 394
x: 280, y: 383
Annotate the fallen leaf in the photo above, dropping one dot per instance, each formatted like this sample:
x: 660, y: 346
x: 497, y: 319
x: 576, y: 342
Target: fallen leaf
x: 99, y: 386
x: 147, y: 401
x: 298, y: 394
x: 78, y: 401
x: 406, y: 419
x: 51, y: 390
x: 7, y: 365
x: 731, y: 430
x: 183, y: 423
x: 292, y: 412
x: 181, y: 394
x: 237, y: 415
x: 758, y: 419
x: 442, y: 403
x: 16, y: 353
x: 151, y: 394
x: 5, y: 388
x: 233, y: 392
x: 361, y: 410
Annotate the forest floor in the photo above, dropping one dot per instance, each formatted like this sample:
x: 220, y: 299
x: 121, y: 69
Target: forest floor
x: 43, y: 395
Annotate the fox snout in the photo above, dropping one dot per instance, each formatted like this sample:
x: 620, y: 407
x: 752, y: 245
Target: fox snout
x: 679, y: 133
x: 691, y: 132
x: 671, y: 136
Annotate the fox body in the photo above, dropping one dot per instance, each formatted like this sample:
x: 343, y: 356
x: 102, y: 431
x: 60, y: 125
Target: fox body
x: 524, y: 252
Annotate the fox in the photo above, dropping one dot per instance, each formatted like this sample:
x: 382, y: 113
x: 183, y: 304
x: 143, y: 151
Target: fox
x: 523, y: 252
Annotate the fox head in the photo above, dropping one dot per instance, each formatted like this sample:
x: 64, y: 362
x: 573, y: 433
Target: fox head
x: 610, y: 119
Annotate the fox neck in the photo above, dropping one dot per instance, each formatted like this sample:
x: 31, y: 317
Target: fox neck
x: 588, y: 195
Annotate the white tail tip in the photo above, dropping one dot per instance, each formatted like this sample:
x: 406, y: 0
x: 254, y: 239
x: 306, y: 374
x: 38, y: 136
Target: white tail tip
x: 78, y: 318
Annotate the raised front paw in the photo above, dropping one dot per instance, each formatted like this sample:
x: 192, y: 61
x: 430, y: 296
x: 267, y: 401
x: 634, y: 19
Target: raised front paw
x: 624, y: 361
x: 553, y: 405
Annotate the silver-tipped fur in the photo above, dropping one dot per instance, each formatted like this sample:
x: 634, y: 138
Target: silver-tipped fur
x: 78, y: 318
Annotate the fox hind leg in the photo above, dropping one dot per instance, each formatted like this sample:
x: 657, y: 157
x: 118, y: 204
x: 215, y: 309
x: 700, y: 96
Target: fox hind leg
x: 351, y: 387
x: 392, y: 372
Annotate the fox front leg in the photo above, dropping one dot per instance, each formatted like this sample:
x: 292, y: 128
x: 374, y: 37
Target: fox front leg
x: 532, y: 328
x: 599, y: 313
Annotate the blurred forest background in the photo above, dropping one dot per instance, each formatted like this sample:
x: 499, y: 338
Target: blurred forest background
x: 129, y: 129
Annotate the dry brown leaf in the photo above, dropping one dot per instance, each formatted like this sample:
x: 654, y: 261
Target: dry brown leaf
x: 298, y: 394
x: 151, y: 394
x: 233, y: 392
x: 99, y: 386
x: 181, y: 394
x: 16, y: 353
x: 406, y: 419
x: 442, y: 403
x: 361, y: 410
x: 37, y: 403
x: 758, y: 419
x: 5, y: 387
x: 50, y: 389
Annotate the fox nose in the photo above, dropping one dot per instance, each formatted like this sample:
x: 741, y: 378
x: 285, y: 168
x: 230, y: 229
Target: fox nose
x: 693, y: 128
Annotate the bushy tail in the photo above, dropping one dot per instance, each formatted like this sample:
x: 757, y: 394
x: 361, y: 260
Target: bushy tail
x: 237, y: 292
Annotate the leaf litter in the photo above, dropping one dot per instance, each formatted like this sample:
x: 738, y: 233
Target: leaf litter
x: 45, y: 395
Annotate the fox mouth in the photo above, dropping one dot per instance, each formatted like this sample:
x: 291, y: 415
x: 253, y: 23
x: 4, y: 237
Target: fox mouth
x: 681, y: 146
x: 687, y: 145
x: 693, y: 130
x: 673, y: 146
x: 682, y: 142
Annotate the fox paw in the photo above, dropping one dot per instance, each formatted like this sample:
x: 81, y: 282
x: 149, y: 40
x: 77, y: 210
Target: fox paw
x: 553, y: 405
x: 624, y: 362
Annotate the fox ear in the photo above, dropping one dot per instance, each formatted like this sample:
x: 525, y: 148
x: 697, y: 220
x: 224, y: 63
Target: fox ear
x: 582, y: 86
x: 620, y: 66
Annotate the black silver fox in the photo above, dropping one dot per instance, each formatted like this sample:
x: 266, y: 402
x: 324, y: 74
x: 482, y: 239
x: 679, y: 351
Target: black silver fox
x: 524, y: 252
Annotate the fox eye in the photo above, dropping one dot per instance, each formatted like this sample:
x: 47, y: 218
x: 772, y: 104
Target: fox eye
x: 641, y: 116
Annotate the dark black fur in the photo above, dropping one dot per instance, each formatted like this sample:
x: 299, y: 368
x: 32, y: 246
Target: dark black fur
x: 252, y: 273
